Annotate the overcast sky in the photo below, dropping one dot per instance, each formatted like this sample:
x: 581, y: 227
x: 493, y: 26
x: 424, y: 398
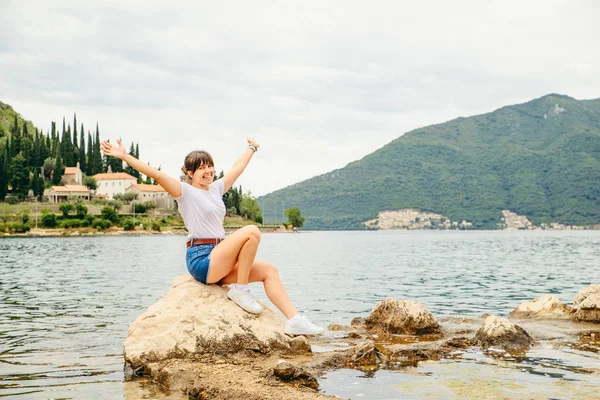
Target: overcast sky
x: 319, y: 83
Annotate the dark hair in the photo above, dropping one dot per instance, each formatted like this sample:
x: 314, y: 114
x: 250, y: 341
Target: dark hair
x: 195, y: 160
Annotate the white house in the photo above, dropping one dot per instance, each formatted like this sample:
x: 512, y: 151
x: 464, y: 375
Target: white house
x: 154, y: 193
x: 112, y: 183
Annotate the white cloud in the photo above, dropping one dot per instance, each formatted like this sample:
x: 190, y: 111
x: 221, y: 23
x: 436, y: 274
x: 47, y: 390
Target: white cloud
x: 320, y: 83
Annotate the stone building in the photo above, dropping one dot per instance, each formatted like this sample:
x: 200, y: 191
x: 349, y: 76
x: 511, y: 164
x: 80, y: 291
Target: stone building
x: 154, y: 193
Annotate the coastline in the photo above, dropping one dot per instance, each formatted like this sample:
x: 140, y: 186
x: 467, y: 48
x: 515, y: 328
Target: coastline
x: 115, y: 231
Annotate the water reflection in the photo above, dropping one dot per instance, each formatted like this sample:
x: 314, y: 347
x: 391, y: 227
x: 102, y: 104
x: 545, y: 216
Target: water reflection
x: 66, y: 303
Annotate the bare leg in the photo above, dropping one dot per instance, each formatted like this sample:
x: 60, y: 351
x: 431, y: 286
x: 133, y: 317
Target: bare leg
x: 238, y: 248
x: 262, y: 271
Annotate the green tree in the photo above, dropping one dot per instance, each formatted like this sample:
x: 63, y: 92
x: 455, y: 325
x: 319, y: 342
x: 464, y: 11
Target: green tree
x: 37, y: 184
x: 82, y: 157
x: 66, y: 146
x: 48, y: 220
x: 66, y: 208
x: 81, y: 210
x: 249, y: 208
x: 3, y: 172
x: 90, y: 182
x: 20, y: 176
x: 109, y: 214
x: 89, y: 170
x: 294, y: 217
x: 97, y: 154
x: 59, y: 170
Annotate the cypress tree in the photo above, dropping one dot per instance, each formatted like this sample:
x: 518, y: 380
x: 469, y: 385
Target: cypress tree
x: 75, y: 130
x: 97, y: 153
x: 66, y: 147
x: 19, y: 176
x: 59, y: 170
x: 130, y: 170
x: 53, y: 139
x: 37, y: 184
x: 82, y: 159
x: 90, y: 156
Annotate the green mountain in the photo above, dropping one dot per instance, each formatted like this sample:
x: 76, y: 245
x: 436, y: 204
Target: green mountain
x: 540, y: 159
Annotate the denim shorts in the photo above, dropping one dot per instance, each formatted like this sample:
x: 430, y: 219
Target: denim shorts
x: 197, y: 259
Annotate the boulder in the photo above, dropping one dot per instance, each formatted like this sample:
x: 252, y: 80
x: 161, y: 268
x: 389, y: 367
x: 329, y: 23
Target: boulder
x: 300, y: 345
x: 294, y: 374
x: 545, y: 307
x: 194, y: 319
x: 499, y: 332
x: 366, y: 355
x: 586, y: 305
x: 401, y: 317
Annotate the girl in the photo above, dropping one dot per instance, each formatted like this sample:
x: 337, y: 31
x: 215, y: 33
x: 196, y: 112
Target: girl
x: 210, y: 257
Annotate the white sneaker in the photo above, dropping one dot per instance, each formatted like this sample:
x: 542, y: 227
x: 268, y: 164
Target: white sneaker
x: 302, y: 326
x: 243, y: 298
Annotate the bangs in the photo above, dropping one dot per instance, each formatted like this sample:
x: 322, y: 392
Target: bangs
x: 197, y: 159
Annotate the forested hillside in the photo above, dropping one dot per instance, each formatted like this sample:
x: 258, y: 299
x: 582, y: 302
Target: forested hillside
x: 32, y: 159
x: 540, y: 159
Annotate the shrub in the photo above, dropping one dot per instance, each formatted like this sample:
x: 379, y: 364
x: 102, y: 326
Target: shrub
x: 155, y: 226
x: 66, y: 208
x: 81, y: 210
x: 18, y: 227
x: 49, y: 220
x: 70, y: 223
x: 2, y: 228
x: 128, y: 225
x: 150, y: 205
x: 11, y: 200
x: 110, y: 214
x: 101, y: 224
x: 140, y: 208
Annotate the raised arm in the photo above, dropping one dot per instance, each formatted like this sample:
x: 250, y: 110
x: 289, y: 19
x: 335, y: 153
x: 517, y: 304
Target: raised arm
x: 170, y: 184
x: 240, y: 165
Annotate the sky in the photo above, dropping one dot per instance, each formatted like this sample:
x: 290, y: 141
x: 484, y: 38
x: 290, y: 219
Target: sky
x: 318, y: 83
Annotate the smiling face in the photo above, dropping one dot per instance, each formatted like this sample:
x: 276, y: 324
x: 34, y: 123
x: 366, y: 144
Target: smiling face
x: 203, y: 176
x: 199, y: 168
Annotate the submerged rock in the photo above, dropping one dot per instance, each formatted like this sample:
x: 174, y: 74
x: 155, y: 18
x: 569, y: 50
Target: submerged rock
x: 499, y: 332
x: 586, y: 305
x: 194, y: 319
x: 393, y: 316
x: 545, y: 307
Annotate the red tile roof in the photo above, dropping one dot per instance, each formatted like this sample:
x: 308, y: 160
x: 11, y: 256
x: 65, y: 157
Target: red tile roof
x: 71, y: 170
x: 71, y: 188
x: 148, y: 188
x: 114, y: 176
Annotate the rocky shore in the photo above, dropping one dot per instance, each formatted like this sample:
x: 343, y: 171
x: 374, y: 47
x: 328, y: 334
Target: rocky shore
x: 196, y: 343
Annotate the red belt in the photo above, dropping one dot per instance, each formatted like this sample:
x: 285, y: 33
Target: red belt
x: 195, y: 242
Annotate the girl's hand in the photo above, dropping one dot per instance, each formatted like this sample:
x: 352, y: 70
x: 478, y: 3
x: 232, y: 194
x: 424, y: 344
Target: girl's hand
x: 114, y: 151
x: 252, y: 141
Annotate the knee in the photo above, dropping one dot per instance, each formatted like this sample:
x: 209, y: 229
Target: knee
x: 272, y: 271
x: 252, y: 231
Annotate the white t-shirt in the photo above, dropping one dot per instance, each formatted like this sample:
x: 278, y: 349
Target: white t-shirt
x: 203, y: 211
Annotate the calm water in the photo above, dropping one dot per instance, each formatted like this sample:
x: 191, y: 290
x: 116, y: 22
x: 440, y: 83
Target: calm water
x: 66, y: 303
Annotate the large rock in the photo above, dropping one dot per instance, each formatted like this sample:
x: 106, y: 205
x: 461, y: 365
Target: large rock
x: 401, y: 317
x: 499, y: 332
x: 545, y: 307
x: 586, y: 305
x: 194, y: 319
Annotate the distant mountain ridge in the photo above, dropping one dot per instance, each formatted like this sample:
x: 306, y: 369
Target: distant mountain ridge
x: 540, y: 159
